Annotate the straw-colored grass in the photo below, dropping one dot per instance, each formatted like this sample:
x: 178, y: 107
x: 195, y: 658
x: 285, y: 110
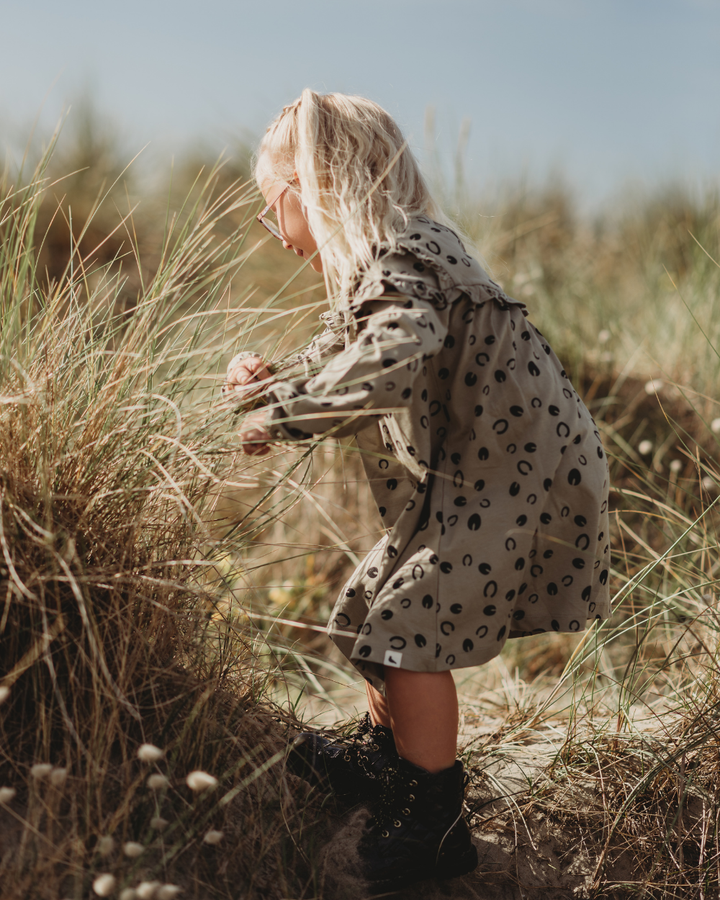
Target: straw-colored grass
x: 157, y: 587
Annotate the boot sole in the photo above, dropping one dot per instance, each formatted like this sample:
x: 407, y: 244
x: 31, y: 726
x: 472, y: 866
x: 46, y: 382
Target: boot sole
x: 459, y: 866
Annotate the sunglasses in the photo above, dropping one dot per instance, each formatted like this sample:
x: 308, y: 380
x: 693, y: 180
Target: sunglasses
x: 271, y: 227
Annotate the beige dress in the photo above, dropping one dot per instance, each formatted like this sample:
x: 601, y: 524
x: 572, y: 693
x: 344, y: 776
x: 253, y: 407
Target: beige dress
x: 487, y: 468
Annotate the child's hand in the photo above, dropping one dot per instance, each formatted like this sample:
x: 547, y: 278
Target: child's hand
x: 254, y: 436
x: 244, y: 378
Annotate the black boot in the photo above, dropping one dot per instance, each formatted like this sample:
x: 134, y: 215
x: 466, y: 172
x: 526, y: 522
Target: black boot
x: 418, y: 830
x: 351, y: 769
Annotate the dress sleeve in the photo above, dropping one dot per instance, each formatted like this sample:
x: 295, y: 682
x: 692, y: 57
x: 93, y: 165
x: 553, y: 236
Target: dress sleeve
x: 370, y: 378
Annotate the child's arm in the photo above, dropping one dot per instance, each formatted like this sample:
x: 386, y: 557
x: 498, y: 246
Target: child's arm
x: 372, y: 377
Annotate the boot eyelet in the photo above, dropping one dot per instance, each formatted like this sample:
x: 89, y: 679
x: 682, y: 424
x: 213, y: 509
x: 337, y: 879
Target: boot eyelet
x: 406, y: 812
x: 411, y: 798
x: 385, y: 834
x: 397, y: 823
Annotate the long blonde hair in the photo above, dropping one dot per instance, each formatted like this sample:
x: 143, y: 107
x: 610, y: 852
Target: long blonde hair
x: 356, y: 177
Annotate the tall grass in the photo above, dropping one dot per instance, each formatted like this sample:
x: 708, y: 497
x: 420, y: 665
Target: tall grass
x: 158, y: 588
x: 114, y: 458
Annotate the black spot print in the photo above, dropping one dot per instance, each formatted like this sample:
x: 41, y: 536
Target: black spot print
x: 553, y: 410
x: 500, y: 376
x: 460, y: 501
x: 449, y: 341
x: 397, y: 642
x: 490, y: 589
x: 406, y: 393
x: 365, y: 651
x: 578, y: 563
x: 372, y: 572
x: 428, y: 602
x: 456, y: 609
x: 479, y: 485
x: 446, y: 568
x: 520, y: 521
x: 484, y: 568
x: 447, y: 627
x: 350, y: 592
x: 490, y: 610
x: 474, y: 522
x: 552, y: 589
x: 478, y: 410
x: 420, y: 640
x: 481, y: 631
x: 533, y: 369
x: 391, y: 484
x: 514, y: 489
x: 519, y: 563
x: 501, y: 633
x: 603, y: 577
x: 574, y: 477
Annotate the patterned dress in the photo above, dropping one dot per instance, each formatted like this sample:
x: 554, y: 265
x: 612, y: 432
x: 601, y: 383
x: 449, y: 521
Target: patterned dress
x: 487, y: 468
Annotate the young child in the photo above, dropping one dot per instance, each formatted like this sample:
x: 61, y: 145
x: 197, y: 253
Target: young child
x: 487, y: 468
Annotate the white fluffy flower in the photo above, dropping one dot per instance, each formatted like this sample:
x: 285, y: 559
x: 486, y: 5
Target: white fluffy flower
x: 654, y: 386
x: 709, y: 483
x: 149, y: 753
x: 133, y: 849
x: 200, y: 781
x: 104, y: 884
x: 676, y: 465
x: 213, y: 837
x: 128, y: 894
x: 603, y: 336
x: 645, y: 447
x: 106, y: 845
x: 40, y: 770
x: 4, y: 692
x: 167, y: 892
x: 715, y: 425
x: 158, y: 823
x: 58, y: 776
x: 146, y: 890
x: 6, y: 794
x: 157, y: 782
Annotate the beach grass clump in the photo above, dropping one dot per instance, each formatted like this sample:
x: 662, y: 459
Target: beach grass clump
x: 138, y: 755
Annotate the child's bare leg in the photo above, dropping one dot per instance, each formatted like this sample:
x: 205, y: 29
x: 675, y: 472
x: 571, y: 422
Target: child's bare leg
x: 422, y: 710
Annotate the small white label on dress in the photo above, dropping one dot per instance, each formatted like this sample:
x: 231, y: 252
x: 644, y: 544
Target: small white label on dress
x: 392, y: 658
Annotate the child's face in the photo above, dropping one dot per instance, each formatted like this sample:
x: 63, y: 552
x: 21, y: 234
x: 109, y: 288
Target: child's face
x: 292, y: 221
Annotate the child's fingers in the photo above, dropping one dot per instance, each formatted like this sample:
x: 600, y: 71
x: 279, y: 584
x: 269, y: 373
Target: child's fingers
x: 248, y: 370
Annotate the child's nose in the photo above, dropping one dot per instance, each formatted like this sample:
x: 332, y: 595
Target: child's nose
x: 287, y: 245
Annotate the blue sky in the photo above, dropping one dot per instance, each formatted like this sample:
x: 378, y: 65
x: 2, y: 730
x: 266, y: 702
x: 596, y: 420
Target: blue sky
x: 602, y: 91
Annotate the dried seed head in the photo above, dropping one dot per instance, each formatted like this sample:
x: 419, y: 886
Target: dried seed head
x: 714, y: 425
x: 167, y: 892
x: 4, y: 692
x: 200, y: 781
x: 40, y: 770
x: 709, y: 484
x: 133, y: 849
x: 213, y: 837
x: 146, y: 890
x: 654, y: 386
x: 645, y: 447
x: 58, y: 777
x: 603, y: 336
x: 128, y: 894
x: 106, y: 845
x: 104, y: 884
x: 676, y: 465
x: 6, y: 794
x: 158, y: 823
x: 157, y: 782
x: 149, y: 753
